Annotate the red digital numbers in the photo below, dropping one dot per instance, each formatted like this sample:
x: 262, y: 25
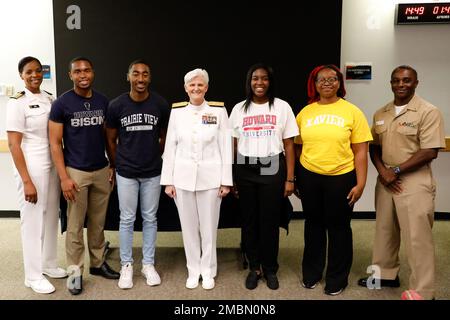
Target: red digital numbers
x: 441, y: 10
x: 422, y: 12
x: 415, y: 11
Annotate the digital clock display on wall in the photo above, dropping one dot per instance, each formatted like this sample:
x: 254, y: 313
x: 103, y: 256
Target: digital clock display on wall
x: 418, y: 13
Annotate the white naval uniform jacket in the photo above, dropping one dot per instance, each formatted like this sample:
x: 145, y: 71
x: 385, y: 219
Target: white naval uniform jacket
x: 28, y: 113
x: 198, y: 151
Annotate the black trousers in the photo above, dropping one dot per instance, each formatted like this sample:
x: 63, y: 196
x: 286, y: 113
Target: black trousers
x: 327, y: 215
x: 261, y: 187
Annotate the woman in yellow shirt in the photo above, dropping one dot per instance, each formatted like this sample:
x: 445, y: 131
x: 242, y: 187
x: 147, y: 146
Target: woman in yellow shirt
x: 332, y: 149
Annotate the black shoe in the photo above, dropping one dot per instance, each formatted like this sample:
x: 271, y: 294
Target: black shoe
x: 272, y: 281
x: 75, y: 285
x: 309, y: 284
x: 252, y: 280
x: 333, y: 291
x: 104, y: 271
x: 383, y: 282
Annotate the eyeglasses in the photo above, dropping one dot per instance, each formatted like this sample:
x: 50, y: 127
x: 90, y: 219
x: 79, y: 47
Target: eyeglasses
x: 331, y: 80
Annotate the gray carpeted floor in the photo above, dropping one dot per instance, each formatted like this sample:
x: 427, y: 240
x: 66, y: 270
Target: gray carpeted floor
x: 230, y: 280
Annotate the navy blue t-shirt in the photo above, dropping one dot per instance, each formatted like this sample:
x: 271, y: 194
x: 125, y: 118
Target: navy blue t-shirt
x: 83, y: 129
x: 139, y: 125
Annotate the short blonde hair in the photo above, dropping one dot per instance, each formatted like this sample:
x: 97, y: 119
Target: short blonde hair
x: 196, y: 73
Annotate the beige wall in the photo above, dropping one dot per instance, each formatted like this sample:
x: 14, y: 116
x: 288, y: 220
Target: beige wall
x: 29, y: 26
x: 369, y: 35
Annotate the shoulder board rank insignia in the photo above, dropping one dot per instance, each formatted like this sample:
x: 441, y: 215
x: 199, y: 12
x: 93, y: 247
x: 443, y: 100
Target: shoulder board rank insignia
x: 18, y: 95
x: 180, y: 104
x: 216, y: 104
x: 47, y: 92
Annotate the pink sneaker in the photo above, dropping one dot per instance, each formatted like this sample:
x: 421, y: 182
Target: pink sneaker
x: 411, y: 295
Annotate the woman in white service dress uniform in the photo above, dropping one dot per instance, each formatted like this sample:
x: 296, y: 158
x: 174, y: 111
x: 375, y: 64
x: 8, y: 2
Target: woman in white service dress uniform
x: 197, y: 174
x: 37, y: 182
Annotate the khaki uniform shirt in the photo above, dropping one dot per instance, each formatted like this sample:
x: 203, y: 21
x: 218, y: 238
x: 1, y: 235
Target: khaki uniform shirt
x: 420, y: 125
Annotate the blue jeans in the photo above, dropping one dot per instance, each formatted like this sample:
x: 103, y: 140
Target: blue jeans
x: 148, y: 191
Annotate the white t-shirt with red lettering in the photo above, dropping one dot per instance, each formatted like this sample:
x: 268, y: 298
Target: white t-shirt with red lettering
x: 260, y: 130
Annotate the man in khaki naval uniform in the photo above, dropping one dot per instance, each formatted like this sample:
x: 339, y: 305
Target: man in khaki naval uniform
x: 408, y: 133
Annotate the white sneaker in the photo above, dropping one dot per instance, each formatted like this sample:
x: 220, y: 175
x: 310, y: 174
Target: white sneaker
x: 56, y: 273
x: 192, y: 282
x: 40, y: 286
x: 208, y: 283
x: 126, y: 277
x: 149, y: 272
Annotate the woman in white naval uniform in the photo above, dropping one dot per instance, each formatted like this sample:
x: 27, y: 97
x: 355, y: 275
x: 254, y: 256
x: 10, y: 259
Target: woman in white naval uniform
x: 197, y: 174
x: 37, y: 181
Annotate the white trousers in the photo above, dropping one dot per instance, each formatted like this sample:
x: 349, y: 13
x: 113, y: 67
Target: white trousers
x: 199, y: 217
x: 39, y: 222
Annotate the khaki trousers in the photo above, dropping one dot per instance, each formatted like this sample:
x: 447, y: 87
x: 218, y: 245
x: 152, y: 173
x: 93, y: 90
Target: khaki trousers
x: 411, y: 214
x: 91, y: 200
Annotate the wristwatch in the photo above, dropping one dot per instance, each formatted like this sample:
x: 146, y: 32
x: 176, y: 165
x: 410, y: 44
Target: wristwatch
x: 396, y: 170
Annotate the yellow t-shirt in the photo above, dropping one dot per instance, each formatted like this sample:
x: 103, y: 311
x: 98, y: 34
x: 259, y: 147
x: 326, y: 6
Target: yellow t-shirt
x: 327, y: 132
